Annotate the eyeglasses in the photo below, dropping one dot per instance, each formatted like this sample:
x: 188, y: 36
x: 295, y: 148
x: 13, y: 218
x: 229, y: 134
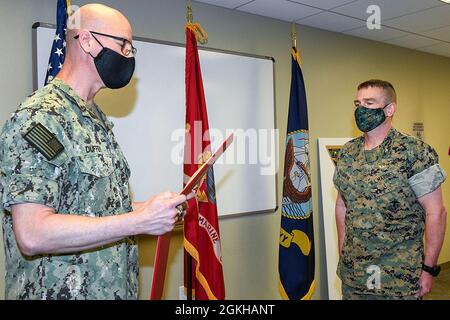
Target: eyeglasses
x: 126, y: 46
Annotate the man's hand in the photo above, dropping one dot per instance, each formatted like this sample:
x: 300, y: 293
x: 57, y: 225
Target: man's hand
x: 426, y: 283
x: 158, y: 215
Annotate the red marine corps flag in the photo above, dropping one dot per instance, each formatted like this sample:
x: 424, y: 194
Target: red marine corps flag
x: 201, y: 227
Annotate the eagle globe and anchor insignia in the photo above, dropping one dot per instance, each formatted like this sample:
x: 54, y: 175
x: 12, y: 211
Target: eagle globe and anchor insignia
x: 297, y: 189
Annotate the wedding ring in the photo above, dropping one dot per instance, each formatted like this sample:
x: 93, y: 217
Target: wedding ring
x: 181, y: 210
x: 180, y: 213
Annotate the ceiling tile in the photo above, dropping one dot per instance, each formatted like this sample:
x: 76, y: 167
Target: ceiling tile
x: 415, y: 24
x: 279, y: 9
x: 232, y: 4
x: 388, y: 8
x: 413, y: 41
x: 382, y: 34
x: 424, y: 20
x: 331, y: 21
x: 440, y: 33
x: 324, y: 4
x: 440, y: 49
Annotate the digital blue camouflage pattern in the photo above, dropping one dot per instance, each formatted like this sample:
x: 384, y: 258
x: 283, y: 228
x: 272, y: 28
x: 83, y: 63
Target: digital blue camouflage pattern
x: 89, y: 178
x: 384, y: 222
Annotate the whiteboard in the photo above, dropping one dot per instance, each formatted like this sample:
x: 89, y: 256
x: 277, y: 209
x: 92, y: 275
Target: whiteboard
x: 149, y: 120
x: 329, y: 195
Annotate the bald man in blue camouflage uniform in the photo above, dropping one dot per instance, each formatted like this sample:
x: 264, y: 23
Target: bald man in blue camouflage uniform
x: 69, y: 222
x: 389, y: 196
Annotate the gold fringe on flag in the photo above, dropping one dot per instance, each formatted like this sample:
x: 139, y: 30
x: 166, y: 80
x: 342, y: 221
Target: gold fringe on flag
x: 69, y: 13
x: 200, y: 34
x: 296, y: 55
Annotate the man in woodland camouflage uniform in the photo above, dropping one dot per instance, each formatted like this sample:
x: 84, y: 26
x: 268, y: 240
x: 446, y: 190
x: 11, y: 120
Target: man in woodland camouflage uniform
x: 389, y: 195
x: 69, y: 223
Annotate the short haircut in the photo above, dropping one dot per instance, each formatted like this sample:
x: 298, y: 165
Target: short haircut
x: 389, y: 92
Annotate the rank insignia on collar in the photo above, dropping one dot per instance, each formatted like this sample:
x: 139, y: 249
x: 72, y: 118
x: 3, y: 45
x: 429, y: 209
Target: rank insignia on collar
x: 44, y: 141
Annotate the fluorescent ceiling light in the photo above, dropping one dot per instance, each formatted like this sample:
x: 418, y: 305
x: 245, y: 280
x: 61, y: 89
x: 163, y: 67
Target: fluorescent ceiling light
x: 446, y: 1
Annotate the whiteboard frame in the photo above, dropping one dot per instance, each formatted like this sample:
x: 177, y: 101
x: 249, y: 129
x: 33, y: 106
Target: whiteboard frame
x: 37, y: 25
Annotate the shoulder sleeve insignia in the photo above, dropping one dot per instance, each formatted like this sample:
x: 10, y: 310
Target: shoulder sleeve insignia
x: 44, y: 141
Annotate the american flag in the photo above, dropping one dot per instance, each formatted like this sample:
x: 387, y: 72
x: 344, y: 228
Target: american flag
x: 58, y: 52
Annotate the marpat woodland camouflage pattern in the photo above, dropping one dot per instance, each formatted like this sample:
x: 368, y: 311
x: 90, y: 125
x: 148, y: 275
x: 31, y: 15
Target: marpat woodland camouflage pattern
x: 60, y: 152
x: 384, y: 222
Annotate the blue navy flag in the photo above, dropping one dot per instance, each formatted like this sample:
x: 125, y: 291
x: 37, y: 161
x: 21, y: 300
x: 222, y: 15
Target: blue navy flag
x: 58, y: 52
x: 296, y: 250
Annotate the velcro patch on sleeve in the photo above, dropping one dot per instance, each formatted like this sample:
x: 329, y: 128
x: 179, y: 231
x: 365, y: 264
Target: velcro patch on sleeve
x: 44, y: 141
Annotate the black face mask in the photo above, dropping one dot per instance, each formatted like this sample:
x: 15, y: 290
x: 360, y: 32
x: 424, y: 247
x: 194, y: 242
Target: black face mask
x: 368, y: 119
x: 113, y: 68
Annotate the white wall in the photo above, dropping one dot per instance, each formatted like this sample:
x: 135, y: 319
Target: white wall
x: 334, y: 65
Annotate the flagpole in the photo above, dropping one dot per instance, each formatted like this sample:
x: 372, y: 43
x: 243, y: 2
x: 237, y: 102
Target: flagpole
x: 294, y: 35
x: 188, y: 273
x: 189, y: 15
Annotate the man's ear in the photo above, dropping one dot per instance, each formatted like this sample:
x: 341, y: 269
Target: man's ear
x: 85, y: 39
x: 390, y: 109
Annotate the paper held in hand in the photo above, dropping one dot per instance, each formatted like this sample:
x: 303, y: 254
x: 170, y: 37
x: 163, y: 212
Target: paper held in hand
x: 162, y: 249
x: 199, y: 174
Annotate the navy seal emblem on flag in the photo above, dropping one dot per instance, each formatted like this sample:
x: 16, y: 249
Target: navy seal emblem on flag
x: 297, y: 177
